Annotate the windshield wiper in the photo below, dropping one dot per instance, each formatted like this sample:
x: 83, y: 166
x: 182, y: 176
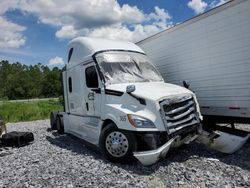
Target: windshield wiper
x: 137, y: 66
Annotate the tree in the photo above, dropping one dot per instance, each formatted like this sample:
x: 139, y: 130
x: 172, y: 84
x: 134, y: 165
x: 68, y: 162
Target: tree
x: 18, y: 81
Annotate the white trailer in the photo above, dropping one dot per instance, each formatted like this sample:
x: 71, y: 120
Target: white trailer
x: 212, y: 53
x: 117, y: 100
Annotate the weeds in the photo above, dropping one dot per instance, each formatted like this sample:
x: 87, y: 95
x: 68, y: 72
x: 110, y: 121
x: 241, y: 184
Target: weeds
x: 28, y: 111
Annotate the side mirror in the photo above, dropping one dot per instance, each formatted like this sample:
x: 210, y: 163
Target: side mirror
x: 186, y: 84
x: 130, y: 88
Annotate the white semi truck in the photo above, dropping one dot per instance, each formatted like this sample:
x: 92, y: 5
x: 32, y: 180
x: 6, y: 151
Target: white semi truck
x: 117, y: 100
x: 212, y: 53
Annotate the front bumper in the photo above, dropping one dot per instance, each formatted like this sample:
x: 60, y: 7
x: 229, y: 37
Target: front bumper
x: 222, y: 141
x: 152, y: 156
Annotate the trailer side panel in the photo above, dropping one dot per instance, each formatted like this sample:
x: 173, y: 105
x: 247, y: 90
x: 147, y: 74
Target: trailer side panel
x: 211, y: 52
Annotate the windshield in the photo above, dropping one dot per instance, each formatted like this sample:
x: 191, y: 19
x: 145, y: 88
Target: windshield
x: 125, y: 67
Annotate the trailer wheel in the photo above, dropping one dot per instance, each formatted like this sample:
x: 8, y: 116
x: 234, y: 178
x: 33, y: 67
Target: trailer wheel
x: 59, y: 124
x: 117, y: 145
x: 53, y: 120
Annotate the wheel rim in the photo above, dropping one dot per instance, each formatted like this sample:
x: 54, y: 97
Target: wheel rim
x: 117, y: 144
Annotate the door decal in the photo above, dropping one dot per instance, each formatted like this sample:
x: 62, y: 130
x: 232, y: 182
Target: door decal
x: 91, y: 96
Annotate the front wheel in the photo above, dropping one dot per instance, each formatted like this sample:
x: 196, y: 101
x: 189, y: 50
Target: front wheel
x: 117, y: 145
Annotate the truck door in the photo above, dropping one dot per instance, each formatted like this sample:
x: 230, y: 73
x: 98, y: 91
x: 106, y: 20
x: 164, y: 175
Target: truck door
x: 92, y: 91
x: 72, y: 91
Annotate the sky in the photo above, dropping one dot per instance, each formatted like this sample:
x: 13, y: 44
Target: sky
x: 37, y: 31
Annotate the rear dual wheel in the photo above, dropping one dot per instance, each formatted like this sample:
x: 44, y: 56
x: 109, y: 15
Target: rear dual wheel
x: 53, y: 120
x: 59, y: 124
x: 117, y: 145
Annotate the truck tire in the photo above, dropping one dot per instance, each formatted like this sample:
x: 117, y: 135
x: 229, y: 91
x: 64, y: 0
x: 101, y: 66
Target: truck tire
x: 59, y: 124
x: 117, y: 145
x: 53, y: 120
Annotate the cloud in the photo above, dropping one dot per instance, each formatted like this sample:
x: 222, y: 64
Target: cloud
x: 217, y: 3
x: 11, y: 34
x: 198, y: 6
x: 57, y: 61
x: 66, y: 31
x: 8, y: 5
x: 97, y: 18
x: 82, y: 13
x: 100, y: 18
x: 152, y: 23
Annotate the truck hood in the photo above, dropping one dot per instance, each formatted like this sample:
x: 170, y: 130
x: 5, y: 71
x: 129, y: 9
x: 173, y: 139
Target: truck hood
x: 151, y: 90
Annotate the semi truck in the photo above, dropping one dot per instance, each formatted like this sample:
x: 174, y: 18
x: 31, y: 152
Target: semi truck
x: 116, y: 99
x: 210, y: 54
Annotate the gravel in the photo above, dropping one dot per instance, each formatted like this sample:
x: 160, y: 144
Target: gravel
x: 64, y: 161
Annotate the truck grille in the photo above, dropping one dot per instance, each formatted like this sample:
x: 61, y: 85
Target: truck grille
x: 179, y: 112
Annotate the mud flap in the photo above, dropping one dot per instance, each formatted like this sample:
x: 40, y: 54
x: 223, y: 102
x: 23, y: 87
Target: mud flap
x: 225, y: 142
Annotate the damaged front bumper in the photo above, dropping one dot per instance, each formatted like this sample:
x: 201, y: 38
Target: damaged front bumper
x: 152, y: 156
x: 223, y: 141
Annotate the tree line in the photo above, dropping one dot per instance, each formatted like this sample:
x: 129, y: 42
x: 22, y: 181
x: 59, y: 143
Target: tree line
x: 19, y: 81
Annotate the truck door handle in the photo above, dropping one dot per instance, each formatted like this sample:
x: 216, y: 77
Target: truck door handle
x: 97, y: 90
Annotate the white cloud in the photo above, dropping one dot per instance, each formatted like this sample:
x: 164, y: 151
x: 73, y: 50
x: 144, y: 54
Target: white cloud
x: 11, y: 34
x: 217, y: 3
x: 66, y: 31
x: 57, y: 61
x: 198, y: 6
x: 82, y: 13
x: 152, y: 23
x: 99, y: 18
x: 8, y: 5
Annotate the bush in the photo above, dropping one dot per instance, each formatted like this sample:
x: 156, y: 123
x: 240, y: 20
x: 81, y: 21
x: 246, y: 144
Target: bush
x: 61, y: 100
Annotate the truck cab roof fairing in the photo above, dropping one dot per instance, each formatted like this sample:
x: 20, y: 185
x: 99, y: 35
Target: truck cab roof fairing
x: 85, y: 47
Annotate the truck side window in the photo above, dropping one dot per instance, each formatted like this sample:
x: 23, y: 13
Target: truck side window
x: 70, y: 84
x: 70, y: 54
x: 91, y: 77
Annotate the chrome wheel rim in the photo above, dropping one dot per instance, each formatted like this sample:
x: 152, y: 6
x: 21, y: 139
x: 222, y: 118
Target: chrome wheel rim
x: 117, y: 144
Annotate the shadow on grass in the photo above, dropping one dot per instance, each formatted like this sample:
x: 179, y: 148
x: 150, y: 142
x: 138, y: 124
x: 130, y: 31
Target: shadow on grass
x: 180, y: 155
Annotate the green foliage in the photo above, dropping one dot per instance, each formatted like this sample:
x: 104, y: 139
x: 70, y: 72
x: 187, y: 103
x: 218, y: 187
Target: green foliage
x: 28, y: 111
x: 18, y: 81
x: 61, y: 100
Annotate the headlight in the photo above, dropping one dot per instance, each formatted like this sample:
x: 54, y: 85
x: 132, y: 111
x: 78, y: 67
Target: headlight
x: 140, y: 122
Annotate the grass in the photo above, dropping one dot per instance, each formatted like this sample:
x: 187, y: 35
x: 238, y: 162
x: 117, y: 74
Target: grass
x: 28, y: 111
